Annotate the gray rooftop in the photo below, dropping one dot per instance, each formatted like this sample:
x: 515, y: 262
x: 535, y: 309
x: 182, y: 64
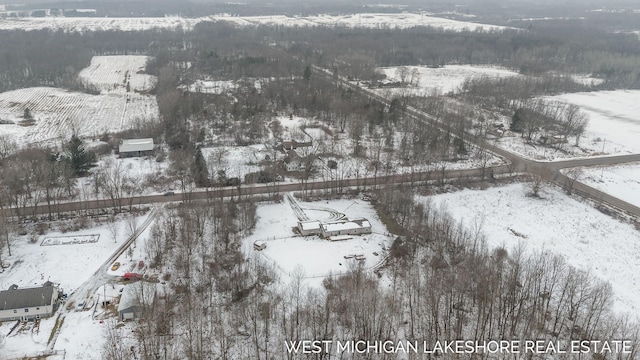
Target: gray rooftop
x: 25, y: 298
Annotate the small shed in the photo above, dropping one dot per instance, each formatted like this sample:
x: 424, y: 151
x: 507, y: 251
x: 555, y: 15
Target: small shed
x: 136, y: 147
x: 260, y: 245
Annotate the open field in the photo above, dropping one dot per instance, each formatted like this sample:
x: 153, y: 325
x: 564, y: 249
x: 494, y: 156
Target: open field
x: 366, y: 20
x: 57, y: 113
x: 613, y: 128
x: 620, y: 181
x: 556, y: 224
x: 119, y: 74
x: 424, y: 81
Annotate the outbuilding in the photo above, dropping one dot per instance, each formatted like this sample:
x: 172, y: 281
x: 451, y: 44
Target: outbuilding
x: 345, y: 226
x: 28, y: 303
x: 136, y: 147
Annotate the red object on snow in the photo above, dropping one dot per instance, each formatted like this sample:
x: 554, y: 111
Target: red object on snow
x: 140, y: 264
x: 131, y: 276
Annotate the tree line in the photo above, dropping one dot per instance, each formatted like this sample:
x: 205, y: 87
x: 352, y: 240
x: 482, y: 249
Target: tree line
x: 441, y: 282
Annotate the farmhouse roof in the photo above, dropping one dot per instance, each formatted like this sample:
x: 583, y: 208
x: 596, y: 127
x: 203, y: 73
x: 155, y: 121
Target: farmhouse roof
x: 26, y: 298
x: 310, y: 225
x: 130, y: 145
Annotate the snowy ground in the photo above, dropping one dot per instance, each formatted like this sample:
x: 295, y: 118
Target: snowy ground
x: 315, y: 257
x: 557, y: 224
x: 57, y: 113
x: 613, y: 128
x: 620, y: 181
x: 86, y: 24
x: 81, y: 336
x: 425, y: 81
x: 113, y: 73
x: 235, y: 161
x: 68, y: 264
x: 613, y: 117
x: 367, y: 20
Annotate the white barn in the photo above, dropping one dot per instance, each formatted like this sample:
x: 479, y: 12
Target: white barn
x: 136, y: 147
x: 28, y: 303
x: 307, y: 228
x: 345, y: 226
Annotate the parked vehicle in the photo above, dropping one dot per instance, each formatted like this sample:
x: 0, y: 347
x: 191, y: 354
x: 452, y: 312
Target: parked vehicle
x: 115, y: 266
x: 131, y: 276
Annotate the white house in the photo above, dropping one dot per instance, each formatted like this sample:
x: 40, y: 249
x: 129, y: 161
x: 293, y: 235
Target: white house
x: 28, y: 303
x: 345, y: 226
x: 309, y: 227
x: 136, y: 147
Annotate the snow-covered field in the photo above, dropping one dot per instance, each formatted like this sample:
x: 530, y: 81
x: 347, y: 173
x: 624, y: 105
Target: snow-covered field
x: 424, y: 80
x: 557, y: 224
x: 311, y: 256
x: 366, y: 20
x: 57, y: 113
x: 85, y: 24
x: 115, y: 73
x: 613, y: 115
x: 620, y: 181
x: 613, y: 127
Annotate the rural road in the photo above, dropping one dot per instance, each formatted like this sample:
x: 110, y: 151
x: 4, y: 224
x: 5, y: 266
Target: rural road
x: 548, y: 170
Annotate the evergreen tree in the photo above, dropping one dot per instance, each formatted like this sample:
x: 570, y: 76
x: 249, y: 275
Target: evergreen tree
x: 517, y: 120
x: 307, y: 73
x: 80, y: 159
x: 200, y: 172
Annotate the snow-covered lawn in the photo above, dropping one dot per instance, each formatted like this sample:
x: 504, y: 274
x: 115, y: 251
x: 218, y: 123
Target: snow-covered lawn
x: 316, y: 258
x: 558, y: 224
x: 116, y: 73
x: 69, y: 265
x: 620, y: 181
x: 437, y: 81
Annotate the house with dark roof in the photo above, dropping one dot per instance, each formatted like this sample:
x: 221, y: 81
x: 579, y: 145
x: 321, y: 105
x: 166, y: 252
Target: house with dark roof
x: 28, y: 303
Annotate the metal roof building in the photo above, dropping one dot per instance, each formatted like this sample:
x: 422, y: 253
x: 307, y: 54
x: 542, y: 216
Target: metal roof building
x: 136, y: 147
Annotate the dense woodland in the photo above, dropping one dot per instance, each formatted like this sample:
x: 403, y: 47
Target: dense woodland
x: 442, y: 282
